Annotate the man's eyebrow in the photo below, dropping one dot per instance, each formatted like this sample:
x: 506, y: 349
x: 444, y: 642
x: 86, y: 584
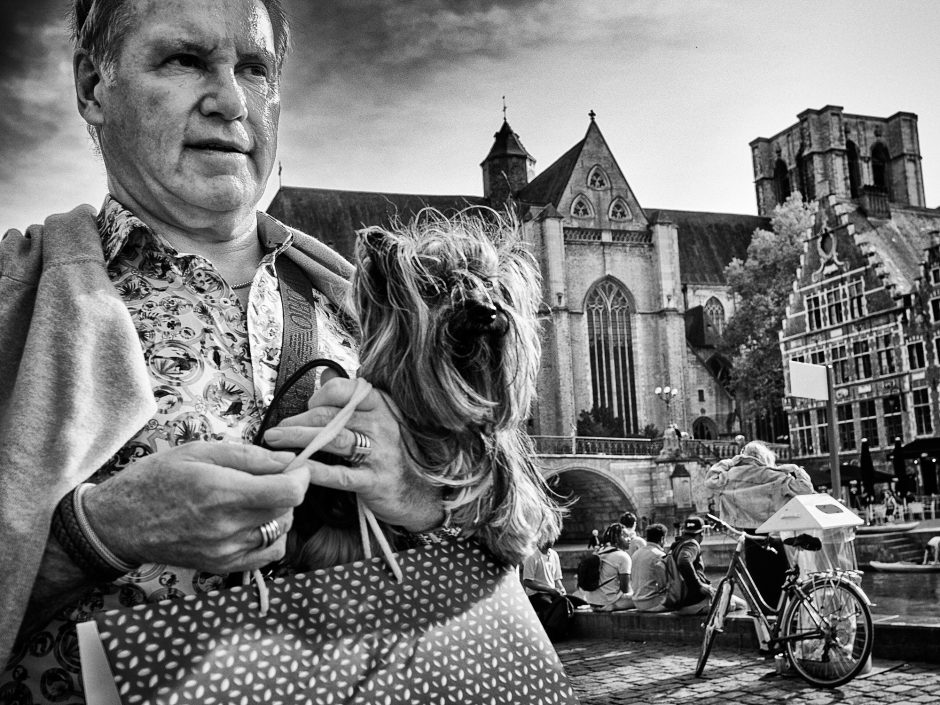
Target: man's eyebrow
x: 188, y: 46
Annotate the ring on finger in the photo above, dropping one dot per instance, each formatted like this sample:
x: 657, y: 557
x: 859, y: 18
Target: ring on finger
x: 270, y: 532
x: 361, y: 449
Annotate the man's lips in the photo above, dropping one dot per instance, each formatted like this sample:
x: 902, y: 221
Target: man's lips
x: 220, y: 146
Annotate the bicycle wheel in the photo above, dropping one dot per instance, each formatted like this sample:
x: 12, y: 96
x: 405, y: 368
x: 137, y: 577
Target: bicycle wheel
x: 715, y: 621
x: 828, y: 635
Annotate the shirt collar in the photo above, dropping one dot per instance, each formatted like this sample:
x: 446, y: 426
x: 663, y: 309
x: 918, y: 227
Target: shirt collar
x: 117, y: 225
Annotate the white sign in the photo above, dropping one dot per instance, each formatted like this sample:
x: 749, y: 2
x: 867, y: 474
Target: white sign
x: 808, y: 381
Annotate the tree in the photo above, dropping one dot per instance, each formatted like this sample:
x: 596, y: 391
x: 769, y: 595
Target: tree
x: 600, y: 422
x: 761, y: 285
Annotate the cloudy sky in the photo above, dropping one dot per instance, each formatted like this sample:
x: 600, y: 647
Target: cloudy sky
x: 405, y: 95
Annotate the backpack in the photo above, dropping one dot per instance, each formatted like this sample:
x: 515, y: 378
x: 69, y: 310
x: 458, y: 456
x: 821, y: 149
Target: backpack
x: 589, y: 573
x: 676, y: 589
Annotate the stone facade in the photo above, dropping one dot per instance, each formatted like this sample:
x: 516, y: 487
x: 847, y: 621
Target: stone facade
x: 863, y: 296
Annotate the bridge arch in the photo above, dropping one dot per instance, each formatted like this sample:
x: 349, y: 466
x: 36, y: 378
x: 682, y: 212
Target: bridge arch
x: 601, y: 499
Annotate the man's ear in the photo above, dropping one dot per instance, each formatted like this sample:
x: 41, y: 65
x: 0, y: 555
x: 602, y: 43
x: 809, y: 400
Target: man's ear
x: 89, y: 84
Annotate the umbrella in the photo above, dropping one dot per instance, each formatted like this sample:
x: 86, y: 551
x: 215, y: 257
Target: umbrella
x: 928, y: 472
x: 900, y: 469
x: 867, y: 469
x: 821, y: 476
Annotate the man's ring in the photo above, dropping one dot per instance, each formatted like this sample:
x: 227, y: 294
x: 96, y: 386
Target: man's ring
x: 360, y: 450
x: 270, y: 531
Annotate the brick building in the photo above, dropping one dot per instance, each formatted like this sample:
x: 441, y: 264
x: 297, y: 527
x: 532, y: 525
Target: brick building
x: 866, y: 299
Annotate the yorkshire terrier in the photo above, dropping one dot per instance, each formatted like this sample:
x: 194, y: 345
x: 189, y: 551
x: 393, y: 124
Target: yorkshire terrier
x: 448, y: 315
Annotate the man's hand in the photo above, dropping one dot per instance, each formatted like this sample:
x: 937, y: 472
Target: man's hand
x: 385, y: 480
x: 198, y: 505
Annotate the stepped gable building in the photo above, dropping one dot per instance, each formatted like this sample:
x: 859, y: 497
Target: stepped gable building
x: 867, y: 293
x: 633, y: 298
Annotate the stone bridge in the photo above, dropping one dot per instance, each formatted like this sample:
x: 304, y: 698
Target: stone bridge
x: 604, y: 477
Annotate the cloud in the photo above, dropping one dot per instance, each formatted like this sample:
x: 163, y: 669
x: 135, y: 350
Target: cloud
x: 36, y: 78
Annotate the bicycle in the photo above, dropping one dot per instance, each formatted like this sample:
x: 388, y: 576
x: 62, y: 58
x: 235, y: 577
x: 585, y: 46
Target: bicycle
x: 822, y: 622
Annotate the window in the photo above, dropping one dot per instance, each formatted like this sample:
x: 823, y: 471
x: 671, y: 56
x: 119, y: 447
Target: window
x: 868, y: 421
x: 597, y: 178
x: 922, y: 419
x: 886, y: 363
x: 935, y: 310
x: 835, y: 304
x: 855, y: 179
x: 856, y: 296
x: 715, y: 315
x: 879, y: 166
x: 846, y: 427
x: 619, y: 210
x: 802, y: 433
x: 817, y: 357
x: 935, y: 275
x: 610, y: 347
x: 822, y: 427
x: 840, y: 365
x: 781, y: 181
x: 861, y: 359
x: 814, y: 315
x: 701, y: 395
x: 891, y: 407
x: 915, y: 355
x: 581, y: 208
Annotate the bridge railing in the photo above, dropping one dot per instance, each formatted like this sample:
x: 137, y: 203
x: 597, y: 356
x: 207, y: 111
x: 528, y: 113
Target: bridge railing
x: 639, y: 447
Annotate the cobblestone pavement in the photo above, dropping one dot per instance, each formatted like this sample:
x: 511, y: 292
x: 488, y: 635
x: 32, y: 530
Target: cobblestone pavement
x: 610, y: 672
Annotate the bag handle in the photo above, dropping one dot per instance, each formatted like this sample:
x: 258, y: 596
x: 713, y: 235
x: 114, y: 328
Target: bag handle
x: 367, y: 519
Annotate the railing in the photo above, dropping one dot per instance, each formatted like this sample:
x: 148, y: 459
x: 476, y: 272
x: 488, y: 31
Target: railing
x: 643, y: 447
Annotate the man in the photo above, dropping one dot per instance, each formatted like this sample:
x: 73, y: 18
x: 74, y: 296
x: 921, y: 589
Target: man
x: 933, y: 546
x: 687, y: 551
x: 649, y: 571
x: 749, y: 489
x: 183, y: 99
x: 542, y: 577
x: 628, y: 519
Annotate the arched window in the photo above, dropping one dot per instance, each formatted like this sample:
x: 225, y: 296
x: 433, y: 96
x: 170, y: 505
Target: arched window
x: 581, y: 208
x: 715, y: 315
x: 610, y: 346
x: 704, y: 429
x: 597, y: 178
x: 781, y: 181
x: 619, y: 210
x: 879, y: 166
x: 804, y: 168
x: 855, y: 174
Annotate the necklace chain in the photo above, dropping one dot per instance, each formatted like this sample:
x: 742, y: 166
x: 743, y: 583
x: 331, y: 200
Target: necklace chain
x: 236, y: 287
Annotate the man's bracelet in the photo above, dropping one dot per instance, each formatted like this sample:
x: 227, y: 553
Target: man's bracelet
x: 72, y: 530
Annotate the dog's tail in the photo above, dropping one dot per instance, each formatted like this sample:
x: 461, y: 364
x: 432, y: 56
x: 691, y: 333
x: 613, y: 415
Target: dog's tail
x: 513, y: 511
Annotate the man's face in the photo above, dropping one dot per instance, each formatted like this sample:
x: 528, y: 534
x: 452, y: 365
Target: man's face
x: 189, y: 119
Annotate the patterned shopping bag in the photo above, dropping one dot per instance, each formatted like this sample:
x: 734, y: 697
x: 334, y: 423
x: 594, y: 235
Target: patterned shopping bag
x: 458, y: 629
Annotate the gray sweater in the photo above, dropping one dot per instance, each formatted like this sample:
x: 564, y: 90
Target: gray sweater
x: 73, y: 384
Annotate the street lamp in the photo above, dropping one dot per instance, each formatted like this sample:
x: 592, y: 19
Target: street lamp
x: 667, y: 394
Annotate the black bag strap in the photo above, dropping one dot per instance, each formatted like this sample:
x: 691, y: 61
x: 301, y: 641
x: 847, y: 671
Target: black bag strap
x: 298, y: 347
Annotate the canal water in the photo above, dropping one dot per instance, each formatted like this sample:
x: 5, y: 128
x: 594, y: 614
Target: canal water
x: 908, y: 595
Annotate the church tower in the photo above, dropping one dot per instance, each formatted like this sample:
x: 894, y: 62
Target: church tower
x: 506, y: 167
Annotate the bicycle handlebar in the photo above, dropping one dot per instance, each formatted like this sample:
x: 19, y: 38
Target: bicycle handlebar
x: 720, y: 525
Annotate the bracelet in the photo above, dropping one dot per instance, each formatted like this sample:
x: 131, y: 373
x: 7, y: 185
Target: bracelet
x: 71, y: 528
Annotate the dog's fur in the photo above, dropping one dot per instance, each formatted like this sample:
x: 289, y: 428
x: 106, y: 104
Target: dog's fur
x: 447, y: 310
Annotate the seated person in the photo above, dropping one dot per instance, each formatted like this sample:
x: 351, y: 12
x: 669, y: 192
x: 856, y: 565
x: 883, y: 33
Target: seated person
x: 933, y: 545
x: 649, y: 572
x: 687, y: 551
x: 613, y: 593
x: 628, y: 519
x: 542, y: 578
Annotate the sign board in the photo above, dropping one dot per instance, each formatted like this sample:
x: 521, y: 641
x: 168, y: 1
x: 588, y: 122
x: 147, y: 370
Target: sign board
x: 808, y: 381
x: 810, y: 511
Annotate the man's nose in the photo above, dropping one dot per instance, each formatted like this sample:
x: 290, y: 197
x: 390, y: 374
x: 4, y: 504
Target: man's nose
x: 224, y: 97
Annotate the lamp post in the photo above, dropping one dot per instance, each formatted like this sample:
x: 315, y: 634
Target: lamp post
x: 667, y: 394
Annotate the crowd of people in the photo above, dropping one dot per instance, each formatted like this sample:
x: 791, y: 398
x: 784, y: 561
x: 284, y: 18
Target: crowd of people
x: 746, y: 490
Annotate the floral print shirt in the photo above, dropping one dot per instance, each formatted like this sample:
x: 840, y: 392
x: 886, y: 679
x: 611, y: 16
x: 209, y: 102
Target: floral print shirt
x: 213, y: 367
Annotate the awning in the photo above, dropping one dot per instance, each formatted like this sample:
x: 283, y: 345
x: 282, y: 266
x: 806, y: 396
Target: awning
x: 914, y: 449
x: 820, y: 474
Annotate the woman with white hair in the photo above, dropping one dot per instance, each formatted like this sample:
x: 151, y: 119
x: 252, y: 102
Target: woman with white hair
x: 748, y: 489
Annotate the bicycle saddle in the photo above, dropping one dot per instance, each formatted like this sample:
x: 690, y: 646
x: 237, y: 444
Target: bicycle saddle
x: 804, y: 541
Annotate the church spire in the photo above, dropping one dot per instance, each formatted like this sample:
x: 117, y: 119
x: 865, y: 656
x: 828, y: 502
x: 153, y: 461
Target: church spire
x: 506, y: 167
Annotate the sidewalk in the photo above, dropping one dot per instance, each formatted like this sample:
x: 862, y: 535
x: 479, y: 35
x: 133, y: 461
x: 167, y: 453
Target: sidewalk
x: 611, y: 672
